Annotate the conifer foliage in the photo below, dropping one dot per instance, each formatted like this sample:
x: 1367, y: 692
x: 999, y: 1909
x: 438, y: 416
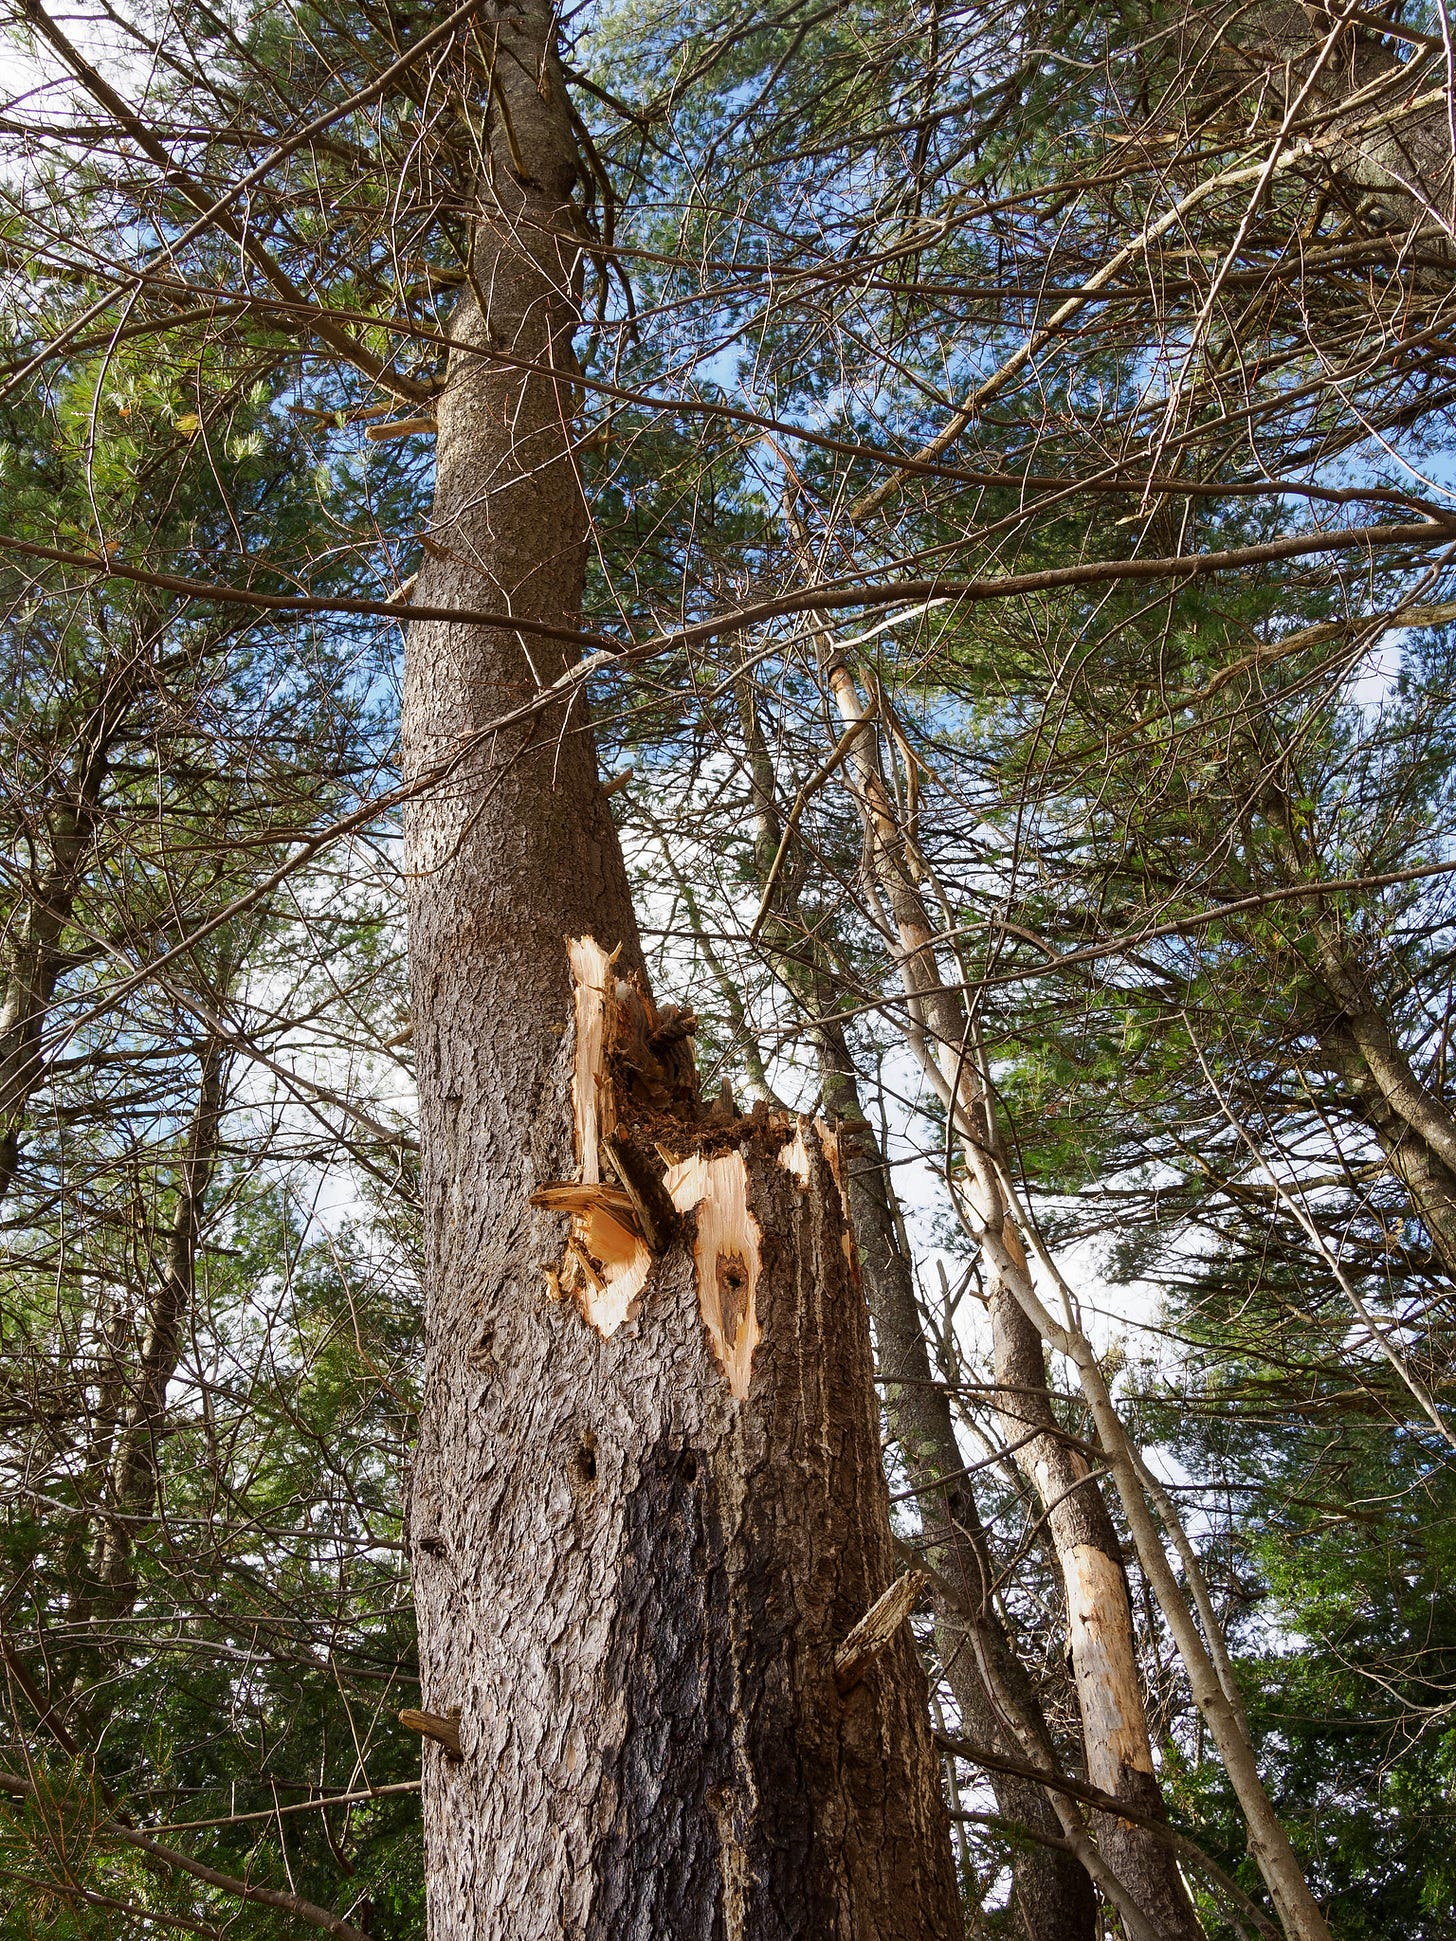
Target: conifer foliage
x: 727, y: 1138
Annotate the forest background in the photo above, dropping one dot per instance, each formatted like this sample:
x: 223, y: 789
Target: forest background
x: 1018, y: 449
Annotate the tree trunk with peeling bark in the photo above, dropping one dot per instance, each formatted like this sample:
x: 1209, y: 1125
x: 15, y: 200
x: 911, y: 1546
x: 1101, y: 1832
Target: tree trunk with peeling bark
x: 998, y: 1705
x: 1101, y: 1635
x: 647, y: 1504
x: 1100, y: 1626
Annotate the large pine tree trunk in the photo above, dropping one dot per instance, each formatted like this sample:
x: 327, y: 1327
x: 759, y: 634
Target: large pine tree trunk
x: 647, y: 1504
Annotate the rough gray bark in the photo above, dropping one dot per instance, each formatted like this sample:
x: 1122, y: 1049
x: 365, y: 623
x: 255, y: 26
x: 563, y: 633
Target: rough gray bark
x: 629, y: 1582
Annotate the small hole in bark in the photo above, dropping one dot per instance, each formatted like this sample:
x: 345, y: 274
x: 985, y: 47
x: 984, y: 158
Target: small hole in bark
x: 586, y: 1459
x: 690, y: 1469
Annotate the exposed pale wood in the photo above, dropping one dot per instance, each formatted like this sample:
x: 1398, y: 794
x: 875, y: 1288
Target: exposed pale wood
x: 574, y: 1196
x: 795, y: 1158
x: 1113, y: 1717
x: 617, y: 1263
x: 876, y: 1629
x: 607, y: 1258
x: 594, y: 983
x: 829, y: 1141
x: 726, y: 1256
x: 442, y: 1731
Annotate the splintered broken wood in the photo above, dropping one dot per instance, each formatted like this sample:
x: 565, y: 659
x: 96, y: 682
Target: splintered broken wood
x: 876, y: 1629
x: 607, y: 1258
x: 576, y: 1196
x: 656, y: 1216
x: 631, y: 1066
x: 795, y: 1158
x: 443, y: 1731
x: 593, y: 980
x: 726, y: 1256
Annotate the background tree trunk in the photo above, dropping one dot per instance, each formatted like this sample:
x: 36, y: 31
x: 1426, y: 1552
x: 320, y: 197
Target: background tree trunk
x: 1099, y: 1619
x: 133, y: 1489
x: 1054, y: 1895
x: 982, y: 1666
x: 1101, y: 1635
x: 630, y: 1582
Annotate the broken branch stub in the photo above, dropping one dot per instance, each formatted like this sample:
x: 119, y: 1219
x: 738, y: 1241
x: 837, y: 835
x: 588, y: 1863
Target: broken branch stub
x: 876, y: 1629
x: 444, y: 1732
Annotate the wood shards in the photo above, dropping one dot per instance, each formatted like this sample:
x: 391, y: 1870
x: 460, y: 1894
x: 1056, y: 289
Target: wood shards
x: 629, y: 1061
x: 576, y: 1196
x: 726, y: 1256
x: 593, y: 1102
x: 605, y: 1268
x: 794, y: 1159
x: 632, y: 1071
x: 607, y: 1261
x: 642, y: 1186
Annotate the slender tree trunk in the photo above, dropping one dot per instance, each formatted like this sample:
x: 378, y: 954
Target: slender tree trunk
x: 123, y: 1462
x: 1054, y: 1896
x: 647, y: 1504
x: 33, y: 964
x: 1420, y: 1167
x: 132, y: 1490
x: 1205, y: 1656
x: 984, y: 1671
x: 33, y: 961
x: 1099, y: 1617
x: 1363, y: 1028
x: 1414, y: 1125
x: 1099, y: 1612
